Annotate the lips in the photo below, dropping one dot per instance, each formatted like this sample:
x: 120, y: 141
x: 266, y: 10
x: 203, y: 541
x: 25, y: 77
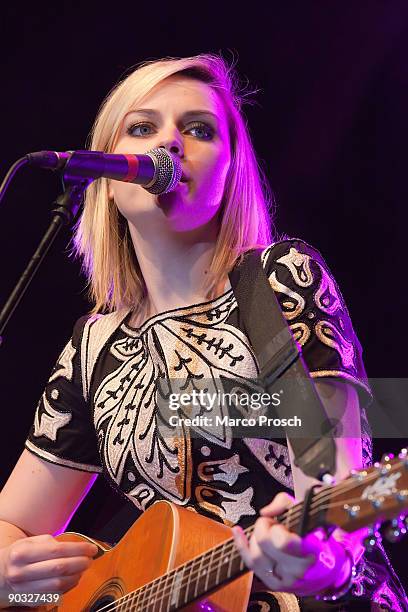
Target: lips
x: 184, y: 176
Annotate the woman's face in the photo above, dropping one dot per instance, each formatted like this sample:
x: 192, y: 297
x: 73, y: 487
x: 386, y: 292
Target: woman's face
x: 188, y: 118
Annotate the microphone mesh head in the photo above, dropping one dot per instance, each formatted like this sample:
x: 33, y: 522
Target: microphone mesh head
x: 167, y: 171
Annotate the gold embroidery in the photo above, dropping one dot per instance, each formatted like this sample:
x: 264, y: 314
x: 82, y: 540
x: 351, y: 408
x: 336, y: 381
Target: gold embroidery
x: 293, y: 308
x: 328, y: 334
x: 287, y: 602
x: 340, y: 374
x: 301, y: 332
x: 299, y: 266
x: 327, y: 298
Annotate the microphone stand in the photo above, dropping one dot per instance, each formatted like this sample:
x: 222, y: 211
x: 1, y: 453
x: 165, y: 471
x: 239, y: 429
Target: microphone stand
x: 67, y: 206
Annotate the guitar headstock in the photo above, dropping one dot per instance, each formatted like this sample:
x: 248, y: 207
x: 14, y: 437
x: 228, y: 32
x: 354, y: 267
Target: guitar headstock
x: 368, y: 497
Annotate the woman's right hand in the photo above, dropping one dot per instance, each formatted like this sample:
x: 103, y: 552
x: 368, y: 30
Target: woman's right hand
x: 42, y: 564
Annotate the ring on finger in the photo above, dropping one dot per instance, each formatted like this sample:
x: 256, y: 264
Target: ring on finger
x: 273, y: 571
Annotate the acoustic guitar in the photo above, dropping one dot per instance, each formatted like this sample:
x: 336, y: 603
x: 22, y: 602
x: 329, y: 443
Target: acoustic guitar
x: 175, y: 559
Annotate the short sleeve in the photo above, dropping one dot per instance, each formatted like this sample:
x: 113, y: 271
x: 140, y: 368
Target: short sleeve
x: 63, y: 432
x: 319, y: 320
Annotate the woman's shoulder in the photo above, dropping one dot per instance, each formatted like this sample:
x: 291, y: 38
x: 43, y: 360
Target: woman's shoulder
x: 292, y: 254
x: 97, y: 324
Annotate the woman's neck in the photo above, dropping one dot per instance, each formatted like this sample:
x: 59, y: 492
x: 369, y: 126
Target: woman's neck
x: 174, y: 266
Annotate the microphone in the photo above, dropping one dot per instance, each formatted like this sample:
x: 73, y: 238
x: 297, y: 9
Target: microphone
x: 157, y: 171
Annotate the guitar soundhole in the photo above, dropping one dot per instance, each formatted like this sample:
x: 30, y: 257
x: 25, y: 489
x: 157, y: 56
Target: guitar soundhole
x: 108, y: 593
x: 101, y: 602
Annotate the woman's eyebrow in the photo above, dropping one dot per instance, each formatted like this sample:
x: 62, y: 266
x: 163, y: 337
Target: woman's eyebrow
x: 201, y: 113
x: 150, y: 112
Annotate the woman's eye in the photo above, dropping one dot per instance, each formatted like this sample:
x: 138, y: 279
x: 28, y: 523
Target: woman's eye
x: 202, y: 131
x: 140, y: 129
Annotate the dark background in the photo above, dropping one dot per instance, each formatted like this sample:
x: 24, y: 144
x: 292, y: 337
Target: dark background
x: 330, y: 126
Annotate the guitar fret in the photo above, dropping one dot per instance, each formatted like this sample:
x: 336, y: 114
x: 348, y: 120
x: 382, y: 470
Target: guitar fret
x: 223, y: 559
x: 286, y: 522
x: 185, y: 585
x: 198, y: 578
x: 229, y: 569
x: 208, y: 570
x: 128, y: 605
x: 143, y: 601
x: 238, y: 563
x: 171, y: 602
x: 154, y: 588
x: 218, y: 569
x: 166, y: 593
x: 176, y: 587
x: 135, y: 599
x: 190, y: 578
x: 130, y: 598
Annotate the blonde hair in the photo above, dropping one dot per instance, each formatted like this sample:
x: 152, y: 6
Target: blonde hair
x: 102, y: 237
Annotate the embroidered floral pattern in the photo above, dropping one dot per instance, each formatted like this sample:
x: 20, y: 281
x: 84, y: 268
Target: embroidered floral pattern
x: 175, y: 353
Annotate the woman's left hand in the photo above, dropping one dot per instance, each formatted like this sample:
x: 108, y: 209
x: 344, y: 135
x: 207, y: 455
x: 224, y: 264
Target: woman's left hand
x: 283, y: 561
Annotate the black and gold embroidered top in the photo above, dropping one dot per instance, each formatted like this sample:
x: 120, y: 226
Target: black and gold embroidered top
x: 99, y: 411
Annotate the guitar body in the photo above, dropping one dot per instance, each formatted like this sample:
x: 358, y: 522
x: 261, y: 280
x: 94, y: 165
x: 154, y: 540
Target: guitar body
x: 165, y: 536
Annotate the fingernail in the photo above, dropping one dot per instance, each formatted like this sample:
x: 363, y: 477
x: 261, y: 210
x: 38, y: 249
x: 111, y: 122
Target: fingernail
x: 237, y: 534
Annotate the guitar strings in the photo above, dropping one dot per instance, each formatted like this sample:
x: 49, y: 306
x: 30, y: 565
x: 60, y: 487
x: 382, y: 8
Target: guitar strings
x: 228, y: 547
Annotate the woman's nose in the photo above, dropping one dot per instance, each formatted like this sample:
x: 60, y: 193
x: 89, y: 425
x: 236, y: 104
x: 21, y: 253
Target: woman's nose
x: 173, y: 144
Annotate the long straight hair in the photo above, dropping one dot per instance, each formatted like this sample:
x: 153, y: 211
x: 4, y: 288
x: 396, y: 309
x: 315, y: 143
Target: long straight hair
x: 102, y: 236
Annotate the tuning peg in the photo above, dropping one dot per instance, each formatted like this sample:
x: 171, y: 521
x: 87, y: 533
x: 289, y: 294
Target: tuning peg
x: 386, y: 458
x: 373, y: 538
x: 404, y: 456
x: 352, y: 511
x: 358, y: 474
x: 393, y: 531
x: 401, y: 496
x: 385, y: 465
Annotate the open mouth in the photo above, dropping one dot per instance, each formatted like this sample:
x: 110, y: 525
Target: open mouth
x: 184, y: 176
